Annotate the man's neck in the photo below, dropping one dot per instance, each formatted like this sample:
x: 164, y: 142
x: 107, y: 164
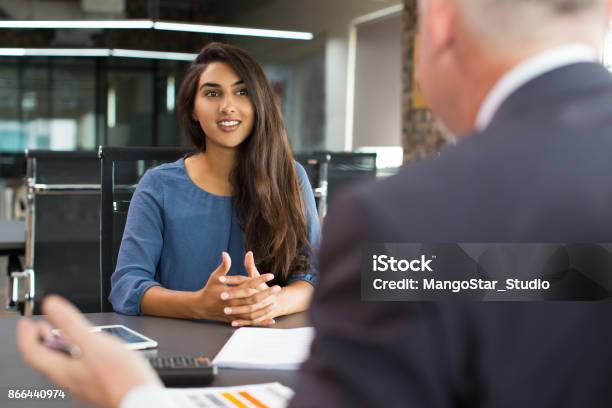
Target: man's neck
x: 477, y: 89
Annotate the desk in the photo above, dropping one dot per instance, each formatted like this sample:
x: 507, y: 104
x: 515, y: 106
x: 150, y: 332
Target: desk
x: 175, y: 337
x: 12, y: 244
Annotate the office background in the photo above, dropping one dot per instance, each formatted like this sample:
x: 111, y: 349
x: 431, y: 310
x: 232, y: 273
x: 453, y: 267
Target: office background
x: 349, y: 88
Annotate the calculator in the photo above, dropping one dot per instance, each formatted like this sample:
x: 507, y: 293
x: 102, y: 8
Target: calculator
x: 184, y: 371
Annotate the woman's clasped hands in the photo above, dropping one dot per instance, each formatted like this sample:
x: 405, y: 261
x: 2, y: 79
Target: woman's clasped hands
x: 241, y: 300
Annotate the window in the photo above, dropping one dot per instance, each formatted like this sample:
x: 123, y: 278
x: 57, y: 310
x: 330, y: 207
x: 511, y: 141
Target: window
x: 65, y: 103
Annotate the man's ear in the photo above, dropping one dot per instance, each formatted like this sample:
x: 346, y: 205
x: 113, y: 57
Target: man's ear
x: 442, y: 24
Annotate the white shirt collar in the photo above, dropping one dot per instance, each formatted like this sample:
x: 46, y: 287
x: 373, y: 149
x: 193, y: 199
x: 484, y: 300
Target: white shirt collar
x: 527, y: 70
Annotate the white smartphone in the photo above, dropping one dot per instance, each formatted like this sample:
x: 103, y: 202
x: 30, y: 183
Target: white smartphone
x: 133, y: 339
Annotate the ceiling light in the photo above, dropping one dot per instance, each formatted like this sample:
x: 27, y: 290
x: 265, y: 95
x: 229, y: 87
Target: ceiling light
x: 95, y: 52
x: 216, y: 29
x: 17, y: 52
x: 158, y: 25
x: 180, y: 56
x: 92, y: 24
x: 54, y: 52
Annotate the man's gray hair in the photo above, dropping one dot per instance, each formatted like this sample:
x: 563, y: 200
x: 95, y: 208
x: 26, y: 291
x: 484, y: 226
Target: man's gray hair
x: 509, y: 23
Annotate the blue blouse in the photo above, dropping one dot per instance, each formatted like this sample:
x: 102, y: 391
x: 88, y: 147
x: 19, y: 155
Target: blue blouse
x: 175, y: 233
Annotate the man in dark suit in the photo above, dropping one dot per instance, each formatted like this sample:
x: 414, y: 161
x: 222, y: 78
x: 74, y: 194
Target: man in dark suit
x: 518, y: 83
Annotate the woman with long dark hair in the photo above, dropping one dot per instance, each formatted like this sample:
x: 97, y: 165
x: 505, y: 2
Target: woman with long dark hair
x: 228, y: 233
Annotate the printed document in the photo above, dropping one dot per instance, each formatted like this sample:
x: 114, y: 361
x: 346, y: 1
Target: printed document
x: 263, y: 348
x: 271, y: 395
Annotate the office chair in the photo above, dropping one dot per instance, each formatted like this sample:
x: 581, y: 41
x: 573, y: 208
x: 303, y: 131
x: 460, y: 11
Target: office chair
x: 331, y: 172
x: 12, y: 165
x: 61, y: 231
x: 348, y: 168
x: 121, y: 170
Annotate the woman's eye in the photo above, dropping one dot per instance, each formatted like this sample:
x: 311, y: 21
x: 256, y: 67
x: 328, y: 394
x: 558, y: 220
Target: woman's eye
x: 242, y: 92
x: 211, y: 93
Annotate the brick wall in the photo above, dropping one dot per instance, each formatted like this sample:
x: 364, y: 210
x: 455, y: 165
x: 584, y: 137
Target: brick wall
x: 420, y: 138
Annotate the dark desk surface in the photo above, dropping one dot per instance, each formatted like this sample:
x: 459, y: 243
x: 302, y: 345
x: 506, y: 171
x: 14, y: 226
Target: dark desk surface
x: 175, y: 337
x: 12, y: 236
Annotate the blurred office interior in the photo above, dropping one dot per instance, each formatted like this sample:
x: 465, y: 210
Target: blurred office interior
x: 346, y: 84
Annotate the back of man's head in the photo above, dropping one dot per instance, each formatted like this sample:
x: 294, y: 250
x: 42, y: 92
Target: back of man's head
x: 535, y: 23
x: 466, y: 46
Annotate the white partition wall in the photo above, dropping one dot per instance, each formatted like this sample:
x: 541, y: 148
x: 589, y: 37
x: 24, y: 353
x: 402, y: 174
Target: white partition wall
x: 376, y: 82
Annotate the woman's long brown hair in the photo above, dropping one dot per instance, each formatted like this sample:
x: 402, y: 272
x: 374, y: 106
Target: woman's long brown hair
x: 267, y: 196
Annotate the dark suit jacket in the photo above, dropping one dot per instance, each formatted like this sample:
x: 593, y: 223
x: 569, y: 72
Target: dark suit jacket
x: 541, y: 172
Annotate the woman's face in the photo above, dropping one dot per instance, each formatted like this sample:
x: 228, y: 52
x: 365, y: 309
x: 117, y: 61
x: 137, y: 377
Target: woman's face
x: 223, y: 106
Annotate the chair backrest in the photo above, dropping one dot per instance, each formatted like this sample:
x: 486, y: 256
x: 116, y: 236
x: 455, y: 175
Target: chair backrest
x: 62, y: 228
x: 347, y: 168
x: 331, y: 172
x: 121, y: 169
x: 12, y: 165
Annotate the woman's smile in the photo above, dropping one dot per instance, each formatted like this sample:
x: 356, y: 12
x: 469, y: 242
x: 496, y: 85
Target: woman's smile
x: 228, y: 125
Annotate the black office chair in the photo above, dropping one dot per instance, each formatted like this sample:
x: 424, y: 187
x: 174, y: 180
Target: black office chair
x: 12, y: 165
x: 122, y: 168
x: 62, y: 230
x: 331, y: 172
x: 347, y: 168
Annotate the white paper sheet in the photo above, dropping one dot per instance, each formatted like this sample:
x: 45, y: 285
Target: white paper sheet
x: 271, y: 395
x: 263, y: 348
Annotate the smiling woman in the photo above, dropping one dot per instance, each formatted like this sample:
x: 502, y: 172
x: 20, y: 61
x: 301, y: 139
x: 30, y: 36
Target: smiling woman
x: 200, y: 230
